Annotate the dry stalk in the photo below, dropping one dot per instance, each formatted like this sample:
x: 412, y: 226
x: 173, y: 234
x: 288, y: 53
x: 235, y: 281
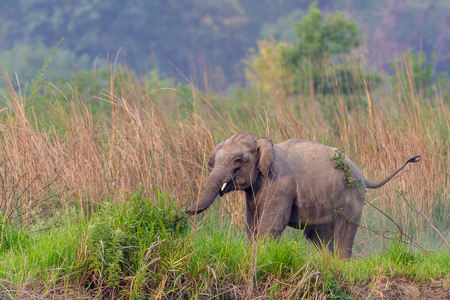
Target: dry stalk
x: 426, y: 218
x: 409, y: 238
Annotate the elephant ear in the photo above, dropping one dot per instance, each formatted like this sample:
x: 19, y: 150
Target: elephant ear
x: 212, y: 159
x: 266, y: 155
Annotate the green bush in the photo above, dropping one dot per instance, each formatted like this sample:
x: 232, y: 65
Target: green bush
x: 106, y: 243
x: 122, y: 234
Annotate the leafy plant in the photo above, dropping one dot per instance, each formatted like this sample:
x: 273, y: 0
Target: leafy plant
x: 325, y: 60
x: 341, y: 164
x: 313, y: 58
x: 37, y: 83
x: 106, y: 242
x: 122, y: 234
x: 164, y: 217
x: 419, y: 69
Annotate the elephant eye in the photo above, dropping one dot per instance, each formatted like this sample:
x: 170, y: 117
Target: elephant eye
x: 238, y: 160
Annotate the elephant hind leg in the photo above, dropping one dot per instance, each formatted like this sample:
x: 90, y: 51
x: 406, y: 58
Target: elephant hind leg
x: 323, y: 237
x: 344, y: 236
x: 347, y: 222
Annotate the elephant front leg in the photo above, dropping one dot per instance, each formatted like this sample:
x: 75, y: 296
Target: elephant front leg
x: 250, y: 220
x: 272, y: 215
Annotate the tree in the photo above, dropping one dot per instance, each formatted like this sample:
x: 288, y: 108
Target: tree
x: 319, y: 43
x: 319, y: 61
x: 416, y: 74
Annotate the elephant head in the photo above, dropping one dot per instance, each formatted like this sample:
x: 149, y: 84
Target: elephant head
x: 236, y: 164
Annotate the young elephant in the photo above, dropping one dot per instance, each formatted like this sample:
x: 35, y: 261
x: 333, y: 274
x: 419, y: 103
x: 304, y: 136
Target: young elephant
x: 292, y: 183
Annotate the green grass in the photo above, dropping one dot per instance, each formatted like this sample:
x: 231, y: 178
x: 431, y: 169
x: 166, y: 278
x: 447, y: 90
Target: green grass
x: 43, y: 255
x: 397, y: 262
x: 136, y: 248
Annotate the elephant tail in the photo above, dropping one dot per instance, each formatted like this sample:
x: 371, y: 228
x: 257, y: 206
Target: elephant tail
x: 371, y: 185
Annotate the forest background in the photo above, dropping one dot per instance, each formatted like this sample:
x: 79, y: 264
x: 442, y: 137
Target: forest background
x: 198, y: 35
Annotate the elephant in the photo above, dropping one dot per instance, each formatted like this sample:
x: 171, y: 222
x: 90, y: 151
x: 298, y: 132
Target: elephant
x: 293, y: 183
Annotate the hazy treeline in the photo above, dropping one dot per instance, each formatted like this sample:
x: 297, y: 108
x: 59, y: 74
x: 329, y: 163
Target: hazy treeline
x: 201, y: 36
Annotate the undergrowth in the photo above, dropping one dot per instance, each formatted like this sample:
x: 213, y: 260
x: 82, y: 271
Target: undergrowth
x: 138, y: 249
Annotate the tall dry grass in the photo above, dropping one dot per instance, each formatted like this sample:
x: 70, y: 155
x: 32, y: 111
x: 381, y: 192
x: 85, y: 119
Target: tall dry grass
x: 146, y: 143
x: 95, y: 159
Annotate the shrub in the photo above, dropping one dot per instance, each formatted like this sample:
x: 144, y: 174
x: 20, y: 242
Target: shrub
x: 122, y: 234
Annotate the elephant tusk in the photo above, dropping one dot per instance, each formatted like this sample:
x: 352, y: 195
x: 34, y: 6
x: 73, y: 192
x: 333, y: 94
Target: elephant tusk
x: 223, y: 186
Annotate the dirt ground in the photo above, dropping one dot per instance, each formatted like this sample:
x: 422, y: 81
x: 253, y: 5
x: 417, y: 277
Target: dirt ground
x: 397, y: 289
x: 400, y: 289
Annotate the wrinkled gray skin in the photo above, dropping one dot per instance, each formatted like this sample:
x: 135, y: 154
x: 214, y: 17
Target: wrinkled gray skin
x: 292, y: 183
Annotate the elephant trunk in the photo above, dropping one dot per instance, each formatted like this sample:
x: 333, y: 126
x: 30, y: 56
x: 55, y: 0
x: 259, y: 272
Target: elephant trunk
x: 213, y: 185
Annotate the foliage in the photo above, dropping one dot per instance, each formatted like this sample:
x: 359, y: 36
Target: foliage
x: 162, y: 217
x: 119, y: 249
x: 335, y: 288
x: 89, y: 85
x: 26, y: 61
x: 106, y: 244
x: 425, y: 81
x: 12, y: 237
x: 183, y: 32
x: 320, y: 39
x: 341, y: 164
x: 266, y: 67
x: 282, y: 30
x: 140, y: 27
x: 153, y: 81
x: 116, y: 236
x: 399, y: 253
x: 322, y: 61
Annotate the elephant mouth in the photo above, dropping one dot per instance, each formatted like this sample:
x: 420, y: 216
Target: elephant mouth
x: 226, y: 187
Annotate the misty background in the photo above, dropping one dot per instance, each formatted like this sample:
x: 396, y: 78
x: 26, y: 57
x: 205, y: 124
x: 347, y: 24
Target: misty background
x: 186, y: 40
